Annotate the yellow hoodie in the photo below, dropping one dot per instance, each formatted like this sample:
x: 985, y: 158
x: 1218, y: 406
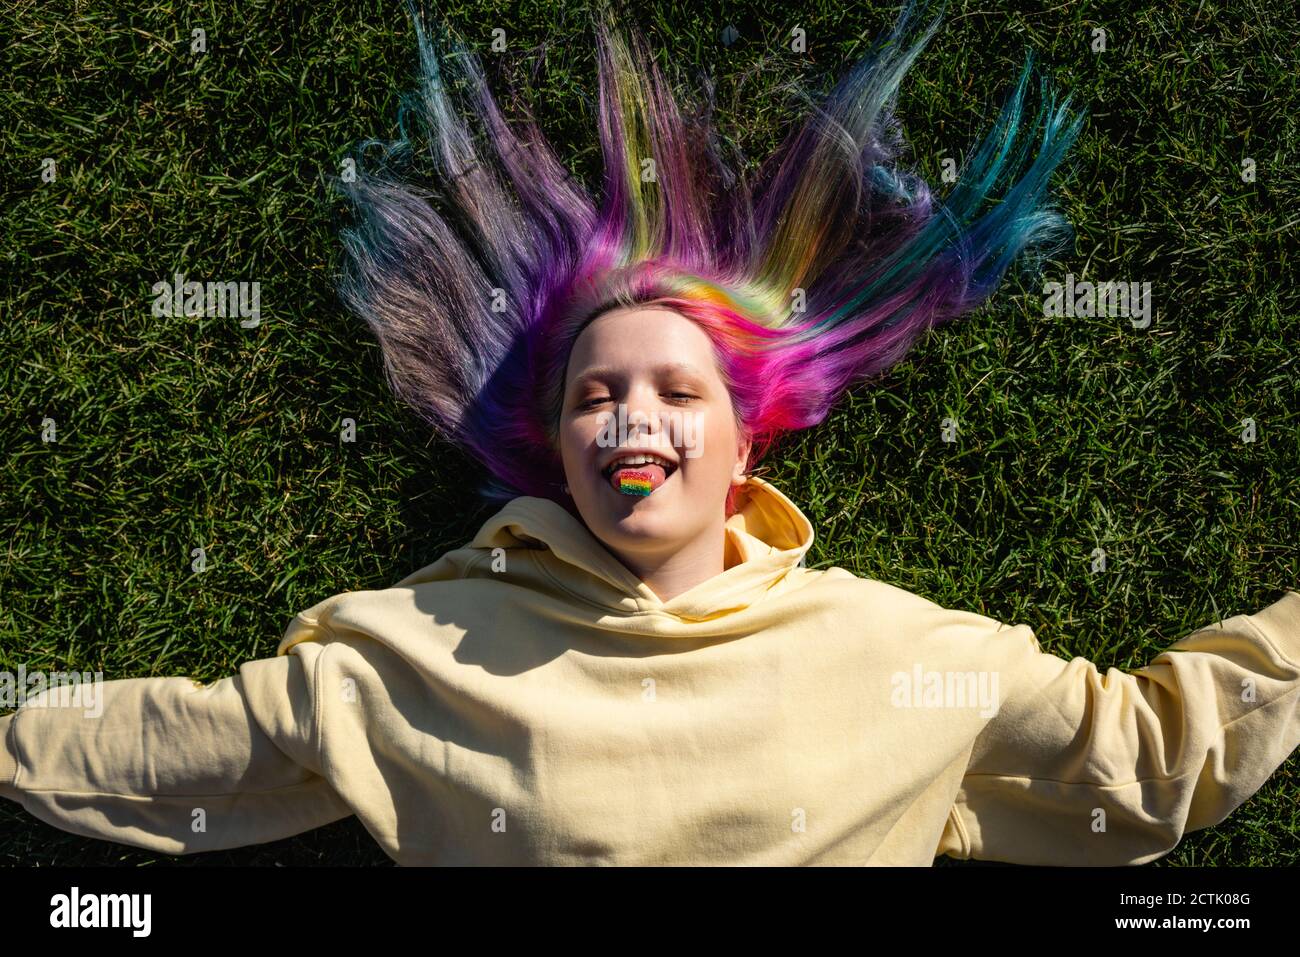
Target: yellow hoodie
x: 526, y: 700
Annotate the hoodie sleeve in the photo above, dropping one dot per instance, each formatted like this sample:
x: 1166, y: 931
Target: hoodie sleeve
x: 1080, y: 768
x: 177, y: 767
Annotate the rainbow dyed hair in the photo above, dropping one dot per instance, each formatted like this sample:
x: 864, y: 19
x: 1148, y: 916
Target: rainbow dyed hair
x: 820, y: 272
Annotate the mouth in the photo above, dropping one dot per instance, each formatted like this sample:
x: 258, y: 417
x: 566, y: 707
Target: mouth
x: 638, y: 474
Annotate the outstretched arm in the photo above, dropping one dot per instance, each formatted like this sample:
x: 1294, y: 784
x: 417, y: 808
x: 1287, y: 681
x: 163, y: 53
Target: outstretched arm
x: 1083, y: 768
x: 174, y: 766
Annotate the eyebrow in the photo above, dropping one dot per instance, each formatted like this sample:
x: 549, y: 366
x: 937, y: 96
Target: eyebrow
x: 604, y: 372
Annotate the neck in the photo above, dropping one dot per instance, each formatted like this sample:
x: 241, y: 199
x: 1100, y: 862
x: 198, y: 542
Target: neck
x: 679, y: 571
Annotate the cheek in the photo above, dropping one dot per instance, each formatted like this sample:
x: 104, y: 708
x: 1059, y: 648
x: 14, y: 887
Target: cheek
x: 576, y: 437
x: 715, y: 438
x: 568, y: 445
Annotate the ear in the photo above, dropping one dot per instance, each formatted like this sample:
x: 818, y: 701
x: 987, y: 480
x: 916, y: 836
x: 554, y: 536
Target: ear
x: 742, y: 460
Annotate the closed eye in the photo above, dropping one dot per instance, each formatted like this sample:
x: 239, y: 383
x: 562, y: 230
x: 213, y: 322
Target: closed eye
x: 683, y: 396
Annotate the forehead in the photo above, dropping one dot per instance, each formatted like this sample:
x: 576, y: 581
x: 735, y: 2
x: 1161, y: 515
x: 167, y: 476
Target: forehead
x: 641, y: 339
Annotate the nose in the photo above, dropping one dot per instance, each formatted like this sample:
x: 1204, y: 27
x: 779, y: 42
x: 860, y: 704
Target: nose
x: 645, y: 417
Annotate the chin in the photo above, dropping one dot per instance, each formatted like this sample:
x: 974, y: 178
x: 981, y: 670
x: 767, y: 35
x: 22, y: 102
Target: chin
x: 642, y: 525
x: 640, y: 521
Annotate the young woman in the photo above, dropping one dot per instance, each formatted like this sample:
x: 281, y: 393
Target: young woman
x: 629, y: 663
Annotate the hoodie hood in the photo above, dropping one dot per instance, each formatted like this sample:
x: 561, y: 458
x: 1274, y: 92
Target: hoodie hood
x: 766, y: 539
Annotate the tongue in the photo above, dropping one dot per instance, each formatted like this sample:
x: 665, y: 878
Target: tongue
x: 653, y: 472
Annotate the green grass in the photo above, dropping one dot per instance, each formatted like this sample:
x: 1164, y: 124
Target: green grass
x: 1074, y: 433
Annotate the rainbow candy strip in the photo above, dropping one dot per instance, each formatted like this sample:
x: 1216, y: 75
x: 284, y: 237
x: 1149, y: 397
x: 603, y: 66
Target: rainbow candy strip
x: 634, y: 482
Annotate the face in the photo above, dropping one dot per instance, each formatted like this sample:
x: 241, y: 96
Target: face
x: 660, y: 367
